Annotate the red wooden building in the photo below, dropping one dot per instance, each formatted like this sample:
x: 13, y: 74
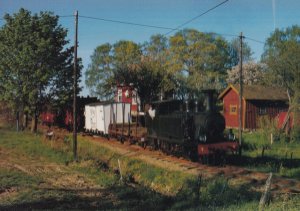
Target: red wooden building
x: 257, y: 101
x: 127, y: 94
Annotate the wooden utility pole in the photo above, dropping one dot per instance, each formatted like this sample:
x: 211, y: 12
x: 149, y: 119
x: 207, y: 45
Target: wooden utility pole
x: 241, y: 94
x: 75, y: 89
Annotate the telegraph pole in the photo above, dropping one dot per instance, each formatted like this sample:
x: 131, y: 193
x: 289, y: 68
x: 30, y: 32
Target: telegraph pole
x: 75, y: 89
x: 241, y: 93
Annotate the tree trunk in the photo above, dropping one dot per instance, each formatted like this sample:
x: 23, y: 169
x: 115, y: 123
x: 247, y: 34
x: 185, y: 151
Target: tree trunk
x: 34, y: 122
x: 18, y: 120
x: 25, y: 121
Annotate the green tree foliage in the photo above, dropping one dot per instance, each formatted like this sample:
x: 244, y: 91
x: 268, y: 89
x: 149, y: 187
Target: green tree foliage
x: 33, y: 59
x: 179, y: 66
x: 125, y: 64
x: 155, y: 58
x: 126, y: 60
x: 234, y: 50
x: 99, y: 73
x: 282, y: 55
x: 60, y: 89
x: 198, y: 60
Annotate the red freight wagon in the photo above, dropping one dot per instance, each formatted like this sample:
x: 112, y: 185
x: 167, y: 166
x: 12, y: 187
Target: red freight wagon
x: 48, y: 118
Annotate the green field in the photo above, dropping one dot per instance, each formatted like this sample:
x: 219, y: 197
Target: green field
x: 37, y: 173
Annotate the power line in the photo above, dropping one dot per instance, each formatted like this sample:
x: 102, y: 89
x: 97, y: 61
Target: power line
x: 249, y: 38
x: 65, y: 16
x: 232, y: 35
x: 161, y: 27
x: 220, y: 34
x: 128, y: 23
x: 198, y: 16
x: 60, y: 16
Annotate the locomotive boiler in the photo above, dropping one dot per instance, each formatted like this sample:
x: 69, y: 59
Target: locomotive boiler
x: 189, y: 128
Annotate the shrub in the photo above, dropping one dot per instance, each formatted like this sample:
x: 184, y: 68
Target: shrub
x: 268, y: 126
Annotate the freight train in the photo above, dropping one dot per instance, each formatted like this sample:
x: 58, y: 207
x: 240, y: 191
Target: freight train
x: 176, y: 127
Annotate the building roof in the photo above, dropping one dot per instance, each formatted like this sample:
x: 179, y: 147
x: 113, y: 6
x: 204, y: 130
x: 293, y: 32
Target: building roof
x: 258, y: 92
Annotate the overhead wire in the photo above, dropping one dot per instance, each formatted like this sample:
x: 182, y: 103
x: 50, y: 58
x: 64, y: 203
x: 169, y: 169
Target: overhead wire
x: 196, y: 17
x: 258, y: 41
x: 125, y: 22
x: 161, y: 27
x: 65, y: 16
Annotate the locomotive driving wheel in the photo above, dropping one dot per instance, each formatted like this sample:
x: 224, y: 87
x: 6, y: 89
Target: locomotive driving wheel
x: 192, y: 153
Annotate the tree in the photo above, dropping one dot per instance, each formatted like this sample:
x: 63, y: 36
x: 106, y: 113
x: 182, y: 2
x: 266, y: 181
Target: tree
x: 126, y: 59
x: 155, y: 54
x: 197, y: 60
x: 282, y: 55
x: 253, y: 73
x: 179, y: 66
x: 60, y: 91
x: 100, y: 71
x: 234, y: 51
x: 127, y: 63
x: 33, y: 53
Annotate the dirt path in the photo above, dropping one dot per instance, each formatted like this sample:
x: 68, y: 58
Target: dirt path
x: 235, y: 175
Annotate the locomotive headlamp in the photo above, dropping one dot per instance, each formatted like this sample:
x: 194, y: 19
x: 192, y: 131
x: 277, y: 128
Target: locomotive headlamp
x: 202, y: 138
x: 231, y: 135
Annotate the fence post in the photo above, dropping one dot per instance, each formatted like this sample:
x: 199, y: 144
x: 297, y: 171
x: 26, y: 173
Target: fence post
x: 121, y: 178
x: 272, y: 138
x: 266, y: 194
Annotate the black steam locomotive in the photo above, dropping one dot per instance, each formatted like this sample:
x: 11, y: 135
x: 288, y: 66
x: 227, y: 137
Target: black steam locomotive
x: 189, y: 128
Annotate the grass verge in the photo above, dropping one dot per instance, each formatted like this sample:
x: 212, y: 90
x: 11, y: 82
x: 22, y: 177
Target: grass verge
x: 93, y: 182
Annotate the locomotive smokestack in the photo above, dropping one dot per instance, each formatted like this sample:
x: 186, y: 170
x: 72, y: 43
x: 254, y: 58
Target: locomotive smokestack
x: 209, y: 98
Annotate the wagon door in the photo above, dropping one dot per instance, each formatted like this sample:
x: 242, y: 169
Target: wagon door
x: 93, y: 118
x: 87, y: 120
x: 100, y: 118
x: 106, y: 117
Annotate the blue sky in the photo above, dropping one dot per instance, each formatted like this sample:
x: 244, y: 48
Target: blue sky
x: 255, y: 18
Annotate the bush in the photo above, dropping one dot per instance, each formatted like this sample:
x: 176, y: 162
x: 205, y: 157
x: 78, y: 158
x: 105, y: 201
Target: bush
x: 295, y: 133
x: 268, y: 126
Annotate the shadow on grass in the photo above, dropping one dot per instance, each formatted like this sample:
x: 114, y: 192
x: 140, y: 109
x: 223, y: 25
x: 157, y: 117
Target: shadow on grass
x: 268, y: 161
x: 115, y: 197
x: 211, y: 194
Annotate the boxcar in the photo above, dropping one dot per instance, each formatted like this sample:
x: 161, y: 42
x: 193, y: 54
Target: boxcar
x: 98, y: 116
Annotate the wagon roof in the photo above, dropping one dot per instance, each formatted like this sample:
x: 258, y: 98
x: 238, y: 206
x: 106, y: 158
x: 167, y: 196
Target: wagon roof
x: 258, y: 92
x: 105, y: 103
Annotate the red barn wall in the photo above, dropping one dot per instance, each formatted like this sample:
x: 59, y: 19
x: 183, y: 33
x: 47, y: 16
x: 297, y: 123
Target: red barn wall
x: 252, y: 110
x: 231, y: 99
x: 251, y: 117
x: 270, y: 109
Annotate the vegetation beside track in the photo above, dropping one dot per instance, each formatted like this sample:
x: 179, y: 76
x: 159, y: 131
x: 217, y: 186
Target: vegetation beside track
x: 281, y: 157
x: 38, y: 173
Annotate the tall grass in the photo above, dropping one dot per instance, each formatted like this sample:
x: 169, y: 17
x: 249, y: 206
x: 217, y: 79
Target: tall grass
x: 154, y: 187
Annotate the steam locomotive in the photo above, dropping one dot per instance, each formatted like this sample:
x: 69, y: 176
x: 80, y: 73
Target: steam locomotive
x: 186, y: 127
